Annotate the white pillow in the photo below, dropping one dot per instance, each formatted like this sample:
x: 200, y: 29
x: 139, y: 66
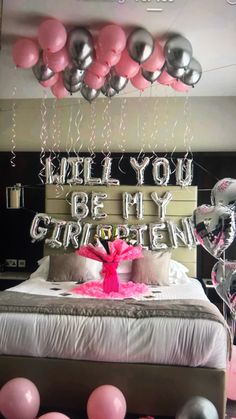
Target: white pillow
x: 43, y: 268
x: 125, y: 267
x: 178, y: 273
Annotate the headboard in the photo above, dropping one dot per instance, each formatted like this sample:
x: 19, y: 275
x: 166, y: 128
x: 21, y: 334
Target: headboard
x: 182, y: 204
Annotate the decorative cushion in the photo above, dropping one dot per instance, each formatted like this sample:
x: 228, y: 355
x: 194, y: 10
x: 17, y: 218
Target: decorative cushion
x: 73, y: 267
x: 152, y: 269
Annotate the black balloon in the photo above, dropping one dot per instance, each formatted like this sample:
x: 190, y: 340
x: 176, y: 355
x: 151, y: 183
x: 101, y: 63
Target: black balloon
x: 178, y: 51
x: 193, y: 73
x: 88, y: 93
x: 140, y: 45
x: 80, y: 44
x: 41, y: 71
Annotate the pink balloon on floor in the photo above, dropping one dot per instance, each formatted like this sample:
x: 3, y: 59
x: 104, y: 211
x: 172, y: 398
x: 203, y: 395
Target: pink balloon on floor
x: 53, y: 415
x: 93, y: 81
x: 57, y: 61
x: 107, y: 57
x: 126, y: 67
x: 19, y: 399
x: 231, y: 376
x: 112, y: 38
x: 106, y: 402
x: 50, y: 82
x: 59, y: 90
x: 52, y: 35
x: 165, y: 78
x: 156, y: 60
x: 25, y: 53
x: 179, y: 86
x: 140, y: 82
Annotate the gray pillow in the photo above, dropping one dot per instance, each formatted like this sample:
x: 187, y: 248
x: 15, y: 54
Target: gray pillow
x: 152, y: 269
x: 73, y: 267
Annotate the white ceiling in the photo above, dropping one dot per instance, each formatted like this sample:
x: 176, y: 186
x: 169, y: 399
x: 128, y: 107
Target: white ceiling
x: 210, y: 25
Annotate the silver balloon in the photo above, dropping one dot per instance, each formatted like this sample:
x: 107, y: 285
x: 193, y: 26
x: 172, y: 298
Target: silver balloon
x: 138, y: 230
x: 131, y: 200
x: 72, y: 88
x: 71, y: 234
x: 85, y: 237
x: 97, y: 205
x: 88, y: 180
x: 184, y: 172
x: 54, y: 241
x: 150, y: 75
x: 155, y: 236
x: 198, y: 408
x: 161, y: 203
x: 139, y: 168
x: 175, y: 234
x: 73, y: 75
x: 188, y: 231
x: 80, y: 44
x: 118, y: 83
x: 106, y: 173
x: 88, y: 93
x: 86, y: 63
x: 79, y: 207
x: 36, y: 231
x: 223, y: 277
x: 41, y: 71
x: 51, y: 177
x: 224, y: 192
x: 107, y: 90
x: 178, y: 51
x: 122, y: 231
x: 75, y: 162
x: 214, y: 228
x: 140, y: 45
x: 161, y: 164
x: 193, y: 73
x: 174, y: 71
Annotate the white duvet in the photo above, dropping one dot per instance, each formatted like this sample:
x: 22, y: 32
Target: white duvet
x: 150, y: 340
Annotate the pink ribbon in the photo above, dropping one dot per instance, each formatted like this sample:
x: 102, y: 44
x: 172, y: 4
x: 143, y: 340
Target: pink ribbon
x: 110, y: 277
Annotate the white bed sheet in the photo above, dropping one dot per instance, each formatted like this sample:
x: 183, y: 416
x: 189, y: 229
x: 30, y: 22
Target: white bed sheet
x: 172, y: 341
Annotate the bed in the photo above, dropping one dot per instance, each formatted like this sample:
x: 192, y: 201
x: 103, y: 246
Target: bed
x: 72, y: 344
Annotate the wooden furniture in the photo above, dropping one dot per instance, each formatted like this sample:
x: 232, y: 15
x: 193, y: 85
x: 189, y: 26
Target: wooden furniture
x: 10, y: 279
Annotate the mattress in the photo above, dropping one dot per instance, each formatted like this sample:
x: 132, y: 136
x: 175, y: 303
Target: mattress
x: 164, y: 341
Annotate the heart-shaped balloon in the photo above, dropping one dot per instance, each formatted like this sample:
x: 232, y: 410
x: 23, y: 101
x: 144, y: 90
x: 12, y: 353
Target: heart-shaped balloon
x: 224, y: 192
x: 214, y: 228
x: 223, y: 277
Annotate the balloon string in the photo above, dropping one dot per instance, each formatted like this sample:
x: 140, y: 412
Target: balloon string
x: 173, y: 141
x: 43, y: 137
x: 92, y: 145
x: 13, y: 130
x: 138, y: 128
x: 68, y: 138
x: 106, y: 132
x: 155, y: 130
x: 122, y: 127
x: 78, y: 120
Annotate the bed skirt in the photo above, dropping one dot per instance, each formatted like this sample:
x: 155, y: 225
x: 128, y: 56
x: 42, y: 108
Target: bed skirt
x: 148, y: 389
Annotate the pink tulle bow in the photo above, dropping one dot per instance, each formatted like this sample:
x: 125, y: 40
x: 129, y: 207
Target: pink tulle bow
x: 118, y: 250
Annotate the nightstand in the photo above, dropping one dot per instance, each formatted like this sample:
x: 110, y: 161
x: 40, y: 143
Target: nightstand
x: 10, y: 279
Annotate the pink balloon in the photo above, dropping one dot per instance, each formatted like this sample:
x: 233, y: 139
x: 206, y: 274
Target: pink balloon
x: 56, y: 61
x: 106, y: 402
x: 140, y: 82
x: 165, y: 78
x: 126, y: 67
x: 58, y: 88
x: 112, y: 38
x: 109, y: 58
x: 19, y: 398
x: 100, y: 70
x: 179, y: 86
x: 93, y: 81
x: 52, y: 35
x: 50, y: 82
x: 231, y: 376
x: 25, y: 53
x: 156, y: 60
x: 53, y: 415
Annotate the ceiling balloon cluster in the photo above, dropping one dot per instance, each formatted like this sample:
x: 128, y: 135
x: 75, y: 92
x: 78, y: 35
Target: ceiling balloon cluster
x: 76, y: 61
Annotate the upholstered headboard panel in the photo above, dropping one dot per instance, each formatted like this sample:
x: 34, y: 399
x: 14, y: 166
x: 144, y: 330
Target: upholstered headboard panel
x: 181, y: 205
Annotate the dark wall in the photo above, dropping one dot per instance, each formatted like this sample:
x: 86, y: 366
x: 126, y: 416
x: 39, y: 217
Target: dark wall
x: 15, y: 224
